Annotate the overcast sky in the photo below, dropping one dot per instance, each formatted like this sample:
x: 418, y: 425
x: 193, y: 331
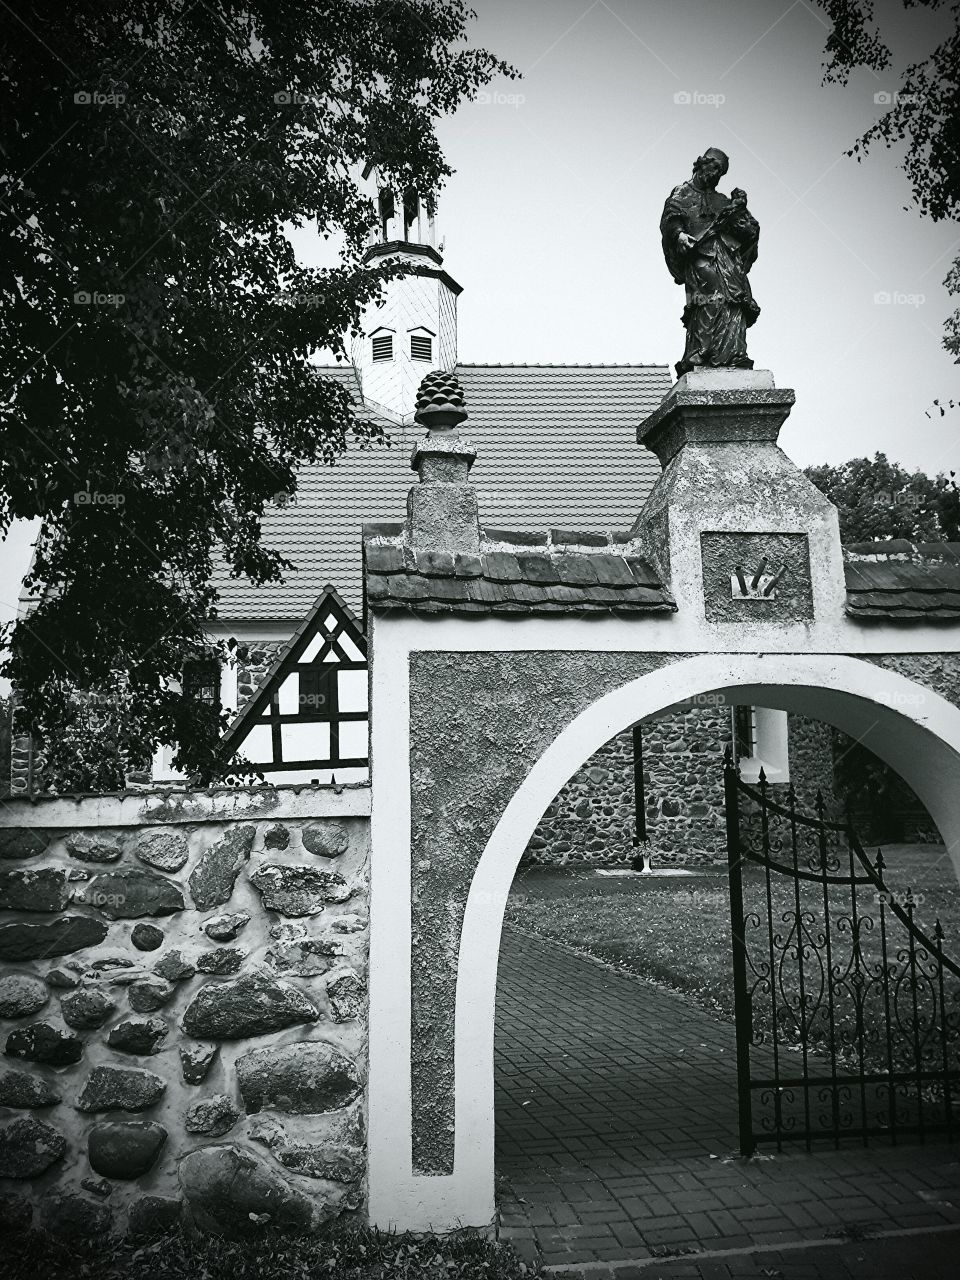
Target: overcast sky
x: 551, y: 220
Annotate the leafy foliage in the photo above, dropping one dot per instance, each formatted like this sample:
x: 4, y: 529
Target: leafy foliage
x: 155, y: 326
x: 878, y: 499
x: 924, y: 113
x: 336, y: 1255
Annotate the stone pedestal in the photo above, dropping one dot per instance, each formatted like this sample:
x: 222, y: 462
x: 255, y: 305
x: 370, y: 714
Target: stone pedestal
x: 442, y: 510
x: 730, y: 499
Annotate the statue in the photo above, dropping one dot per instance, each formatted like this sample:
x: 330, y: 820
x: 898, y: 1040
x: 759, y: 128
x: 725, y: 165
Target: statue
x: 710, y: 244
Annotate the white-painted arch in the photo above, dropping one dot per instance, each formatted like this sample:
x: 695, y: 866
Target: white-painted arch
x: 914, y: 729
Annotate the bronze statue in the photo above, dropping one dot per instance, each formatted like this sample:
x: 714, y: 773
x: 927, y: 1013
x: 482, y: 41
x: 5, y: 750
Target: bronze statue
x: 710, y: 244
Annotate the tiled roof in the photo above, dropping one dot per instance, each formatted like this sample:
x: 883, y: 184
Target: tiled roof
x: 903, y: 581
x: 563, y: 571
x: 556, y: 443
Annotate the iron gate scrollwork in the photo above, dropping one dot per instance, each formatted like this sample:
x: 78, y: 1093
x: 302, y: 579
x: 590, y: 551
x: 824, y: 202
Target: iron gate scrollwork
x: 847, y: 1010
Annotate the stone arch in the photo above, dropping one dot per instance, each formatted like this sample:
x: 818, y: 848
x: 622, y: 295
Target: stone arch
x: 913, y: 729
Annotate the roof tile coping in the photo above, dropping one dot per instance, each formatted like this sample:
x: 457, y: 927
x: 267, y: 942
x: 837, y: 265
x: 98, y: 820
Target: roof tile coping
x: 901, y: 549
x: 554, y: 542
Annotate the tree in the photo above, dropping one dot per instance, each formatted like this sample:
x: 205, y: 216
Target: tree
x: 155, y: 326
x: 877, y: 499
x: 924, y: 113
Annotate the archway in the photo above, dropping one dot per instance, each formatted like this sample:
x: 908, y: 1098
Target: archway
x: 912, y: 729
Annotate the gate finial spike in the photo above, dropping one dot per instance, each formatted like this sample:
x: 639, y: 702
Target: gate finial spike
x: 938, y: 930
x: 880, y: 864
x: 819, y: 804
x: 763, y: 777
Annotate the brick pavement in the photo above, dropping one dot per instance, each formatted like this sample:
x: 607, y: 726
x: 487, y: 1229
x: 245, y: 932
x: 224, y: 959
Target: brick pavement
x: 616, y: 1138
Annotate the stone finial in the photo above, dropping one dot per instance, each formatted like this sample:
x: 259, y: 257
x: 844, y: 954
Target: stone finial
x: 440, y: 403
x: 442, y: 454
x: 442, y: 510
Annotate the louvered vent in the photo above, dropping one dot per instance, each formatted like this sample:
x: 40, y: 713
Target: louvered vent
x: 383, y: 347
x: 421, y: 347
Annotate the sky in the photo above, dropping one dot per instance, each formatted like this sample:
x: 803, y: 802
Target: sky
x: 550, y: 222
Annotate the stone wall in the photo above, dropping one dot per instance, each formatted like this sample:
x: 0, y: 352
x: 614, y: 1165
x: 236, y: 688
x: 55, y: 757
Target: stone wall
x: 810, y: 748
x: 183, y: 1009
x: 254, y: 660
x: 592, y: 819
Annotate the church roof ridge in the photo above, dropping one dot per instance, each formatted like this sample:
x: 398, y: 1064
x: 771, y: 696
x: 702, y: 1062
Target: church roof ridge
x: 558, y: 364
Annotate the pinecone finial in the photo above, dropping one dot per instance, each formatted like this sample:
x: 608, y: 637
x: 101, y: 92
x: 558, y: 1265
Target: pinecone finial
x: 440, y: 402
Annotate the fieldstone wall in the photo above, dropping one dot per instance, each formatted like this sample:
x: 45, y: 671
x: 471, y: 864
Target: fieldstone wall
x: 593, y: 819
x: 810, y: 750
x: 254, y: 660
x: 183, y: 1009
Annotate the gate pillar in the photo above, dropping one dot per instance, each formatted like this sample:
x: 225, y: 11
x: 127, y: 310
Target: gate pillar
x: 730, y: 507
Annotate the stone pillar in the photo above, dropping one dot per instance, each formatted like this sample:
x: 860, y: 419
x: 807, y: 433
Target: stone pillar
x: 442, y: 511
x: 730, y: 498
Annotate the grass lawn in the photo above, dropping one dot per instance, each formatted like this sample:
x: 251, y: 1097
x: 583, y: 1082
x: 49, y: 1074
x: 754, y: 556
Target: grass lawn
x: 676, y: 930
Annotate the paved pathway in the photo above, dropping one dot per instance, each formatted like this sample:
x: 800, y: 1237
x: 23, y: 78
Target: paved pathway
x: 616, y: 1133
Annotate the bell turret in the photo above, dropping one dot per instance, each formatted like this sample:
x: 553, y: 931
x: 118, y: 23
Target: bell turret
x: 414, y: 328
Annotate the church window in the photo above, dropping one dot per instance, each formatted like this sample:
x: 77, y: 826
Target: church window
x: 421, y: 347
x: 745, y: 732
x: 383, y: 347
x: 201, y: 681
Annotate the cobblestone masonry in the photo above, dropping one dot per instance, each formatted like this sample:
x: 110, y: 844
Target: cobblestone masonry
x: 254, y: 660
x: 183, y: 1010
x: 593, y: 818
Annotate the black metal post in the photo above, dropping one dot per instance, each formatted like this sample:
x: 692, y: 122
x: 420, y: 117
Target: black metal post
x: 639, y: 801
x: 741, y: 996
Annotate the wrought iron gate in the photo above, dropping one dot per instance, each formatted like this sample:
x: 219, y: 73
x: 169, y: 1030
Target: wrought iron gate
x: 847, y: 1011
